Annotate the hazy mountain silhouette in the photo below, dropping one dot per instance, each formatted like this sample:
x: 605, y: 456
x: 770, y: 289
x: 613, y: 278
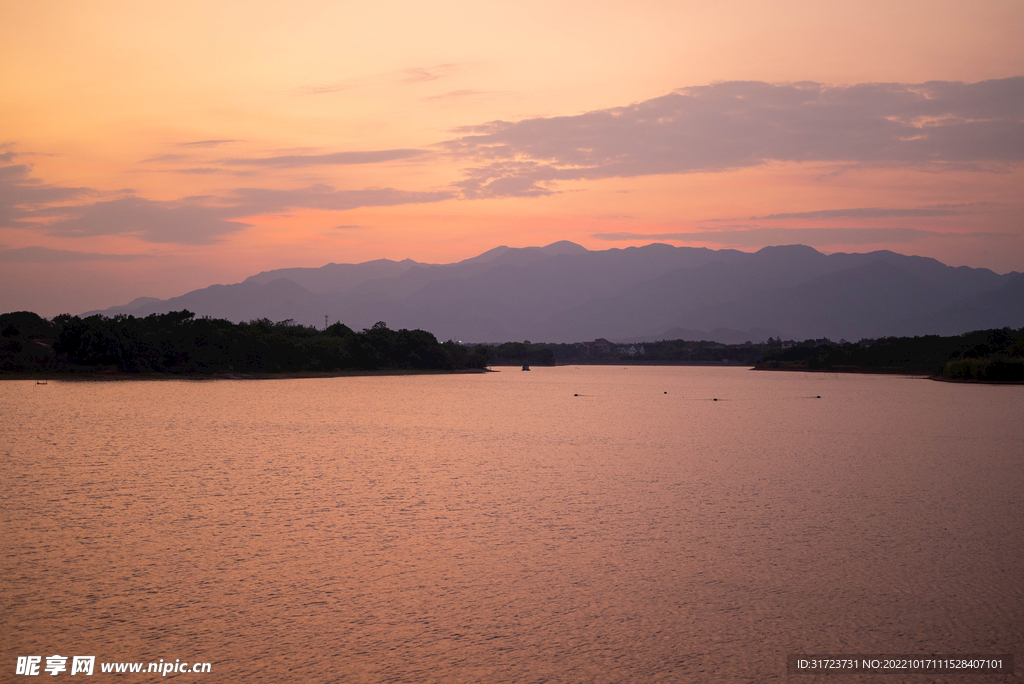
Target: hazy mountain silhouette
x: 566, y: 293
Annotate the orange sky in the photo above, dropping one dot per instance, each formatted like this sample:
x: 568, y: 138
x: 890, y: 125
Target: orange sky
x: 151, y: 148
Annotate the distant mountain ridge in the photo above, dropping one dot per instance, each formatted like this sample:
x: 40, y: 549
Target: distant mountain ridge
x: 564, y: 292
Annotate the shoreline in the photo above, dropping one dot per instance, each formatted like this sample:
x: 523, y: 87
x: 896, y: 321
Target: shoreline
x: 918, y: 376
x: 231, y: 375
x: 116, y: 376
x: 852, y: 370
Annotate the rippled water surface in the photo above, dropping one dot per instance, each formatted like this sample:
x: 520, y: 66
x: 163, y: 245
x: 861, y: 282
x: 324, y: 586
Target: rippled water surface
x: 499, y: 528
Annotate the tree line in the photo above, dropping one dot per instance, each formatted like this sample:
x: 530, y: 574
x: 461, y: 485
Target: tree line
x: 995, y: 355
x: 180, y: 343
x: 983, y: 355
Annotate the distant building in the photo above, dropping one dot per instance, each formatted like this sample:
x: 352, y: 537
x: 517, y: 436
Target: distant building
x: 597, y: 347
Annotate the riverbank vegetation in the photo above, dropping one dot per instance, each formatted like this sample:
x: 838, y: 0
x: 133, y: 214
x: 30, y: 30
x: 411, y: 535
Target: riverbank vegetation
x: 983, y: 355
x: 179, y: 343
x: 520, y: 353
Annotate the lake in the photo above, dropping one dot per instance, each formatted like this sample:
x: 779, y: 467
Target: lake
x: 568, y: 524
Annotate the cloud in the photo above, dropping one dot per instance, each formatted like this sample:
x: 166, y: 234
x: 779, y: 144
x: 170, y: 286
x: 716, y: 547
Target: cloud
x: 423, y: 74
x: 45, y: 255
x: 165, y: 158
x: 456, y: 95
x: 252, y: 201
x: 198, y: 170
x: 508, y: 179
x: 297, y: 160
x: 187, y: 221
x: 734, y: 125
x: 202, y: 219
x: 345, y: 227
x: 410, y: 76
x: 879, y: 212
x: 329, y: 88
x: 758, y: 237
x: 20, y: 193
x: 205, y: 143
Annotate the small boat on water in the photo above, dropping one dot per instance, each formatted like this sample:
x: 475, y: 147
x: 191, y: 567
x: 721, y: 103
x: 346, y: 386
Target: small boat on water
x: 526, y: 366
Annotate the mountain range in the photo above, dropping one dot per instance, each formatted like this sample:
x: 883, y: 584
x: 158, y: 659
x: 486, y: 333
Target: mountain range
x: 566, y: 293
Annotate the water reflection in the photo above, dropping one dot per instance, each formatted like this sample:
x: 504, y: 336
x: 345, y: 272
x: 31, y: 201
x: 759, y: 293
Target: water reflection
x: 568, y: 524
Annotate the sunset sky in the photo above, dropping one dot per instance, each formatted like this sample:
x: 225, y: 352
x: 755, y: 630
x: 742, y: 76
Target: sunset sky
x: 152, y: 148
